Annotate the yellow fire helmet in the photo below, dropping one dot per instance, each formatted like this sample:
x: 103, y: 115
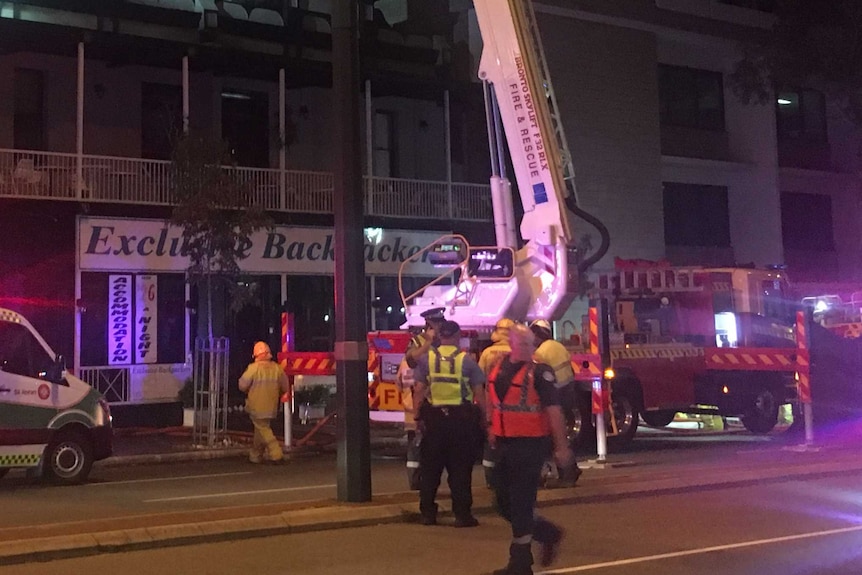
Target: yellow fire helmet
x: 261, y: 351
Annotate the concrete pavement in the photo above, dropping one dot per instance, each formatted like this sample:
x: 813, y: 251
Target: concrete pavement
x: 601, y: 481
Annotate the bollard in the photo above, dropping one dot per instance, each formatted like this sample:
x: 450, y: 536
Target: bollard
x: 601, y: 429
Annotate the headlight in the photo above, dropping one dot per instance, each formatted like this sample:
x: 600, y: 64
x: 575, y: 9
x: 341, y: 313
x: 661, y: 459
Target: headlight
x: 103, y: 414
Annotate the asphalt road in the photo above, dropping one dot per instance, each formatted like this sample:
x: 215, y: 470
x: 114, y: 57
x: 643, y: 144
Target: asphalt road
x: 187, y: 487
x: 791, y: 527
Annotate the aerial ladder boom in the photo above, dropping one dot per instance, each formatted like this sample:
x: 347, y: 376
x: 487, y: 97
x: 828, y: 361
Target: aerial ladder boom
x: 518, y: 94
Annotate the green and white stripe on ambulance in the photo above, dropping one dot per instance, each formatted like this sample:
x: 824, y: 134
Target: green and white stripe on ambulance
x: 21, y: 455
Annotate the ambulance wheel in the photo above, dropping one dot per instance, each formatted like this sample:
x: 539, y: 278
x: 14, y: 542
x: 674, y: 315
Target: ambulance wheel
x: 3, y: 472
x: 658, y: 418
x: 68, y: 458
x: 763, y: 415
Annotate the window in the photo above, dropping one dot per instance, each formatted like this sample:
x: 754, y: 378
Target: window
x: 761, y: 5
x: 245, y: 126
x: 696, y: 215
x: 21, y: 353
x: 29, y: 115
x: 383, y: 134
x: 161, y: 119
x: 806, y: 222
x: 691, y: 98
x: 801, y: 115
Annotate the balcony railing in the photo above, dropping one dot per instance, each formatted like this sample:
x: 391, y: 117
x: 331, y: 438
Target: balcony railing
x: 109, y: 179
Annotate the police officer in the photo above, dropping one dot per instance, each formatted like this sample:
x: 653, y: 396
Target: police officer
x: 499, y: 346
x: 555, y: 354
x: 263, y: 381
x: 524, y: 409
x: 422, y: 342
x: 418, y: 347
x: 448, y: 381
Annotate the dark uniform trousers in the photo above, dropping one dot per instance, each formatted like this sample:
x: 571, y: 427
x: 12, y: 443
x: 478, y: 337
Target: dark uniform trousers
x: 448, y: 443
x: 515, y: 481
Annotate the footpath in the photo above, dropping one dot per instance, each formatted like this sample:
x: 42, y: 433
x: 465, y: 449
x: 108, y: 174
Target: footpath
x: 608, y: 480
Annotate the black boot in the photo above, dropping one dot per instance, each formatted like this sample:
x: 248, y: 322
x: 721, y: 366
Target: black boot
x: 548, y: 536
x: 520, y: 561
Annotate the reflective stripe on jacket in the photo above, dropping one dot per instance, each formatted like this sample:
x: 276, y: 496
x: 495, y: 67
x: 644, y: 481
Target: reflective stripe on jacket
x: 559, y: 358
x: 520, y: 414
x: 446, y: 380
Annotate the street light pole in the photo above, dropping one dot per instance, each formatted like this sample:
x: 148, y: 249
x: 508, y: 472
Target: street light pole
x: 351, y: 348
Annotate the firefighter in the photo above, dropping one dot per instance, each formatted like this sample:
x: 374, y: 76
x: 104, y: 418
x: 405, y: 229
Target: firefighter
x: 499, y: 346
x: 264, y: 382
x: 524, y: 408
x: 555, y: 354
x: 448, y: 381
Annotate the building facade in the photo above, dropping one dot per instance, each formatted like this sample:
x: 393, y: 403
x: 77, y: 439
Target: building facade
x: 665, y: 155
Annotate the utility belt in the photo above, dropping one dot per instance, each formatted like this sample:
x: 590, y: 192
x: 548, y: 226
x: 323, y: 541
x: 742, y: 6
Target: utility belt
x: 461, y: 411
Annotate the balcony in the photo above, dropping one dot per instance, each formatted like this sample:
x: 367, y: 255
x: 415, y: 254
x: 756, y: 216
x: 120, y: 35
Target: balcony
x: 116, y: 180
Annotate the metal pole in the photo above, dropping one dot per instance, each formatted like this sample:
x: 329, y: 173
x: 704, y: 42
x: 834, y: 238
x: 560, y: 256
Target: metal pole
x: 369, y: 147
x: 282, y: 143
x: 79, y: 137
x: 448, y: 145
x: 351, y: 348
x: 185, y: 94
x: 604, y: 351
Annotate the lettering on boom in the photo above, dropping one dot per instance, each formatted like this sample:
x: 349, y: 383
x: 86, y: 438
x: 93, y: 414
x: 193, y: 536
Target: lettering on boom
x: 532, y: 145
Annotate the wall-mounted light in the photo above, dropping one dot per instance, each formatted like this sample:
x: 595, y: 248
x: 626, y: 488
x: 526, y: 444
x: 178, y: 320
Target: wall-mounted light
x: 784, y: 102
x: 235, y: 96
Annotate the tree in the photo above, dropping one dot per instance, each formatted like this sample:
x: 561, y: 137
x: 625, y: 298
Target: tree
x: 814, y: 44
x: 213, y: 210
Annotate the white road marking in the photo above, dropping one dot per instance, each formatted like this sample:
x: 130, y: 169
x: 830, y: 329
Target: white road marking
x: 702, y: 550
x: 241, y: 493
x: 178, y: 478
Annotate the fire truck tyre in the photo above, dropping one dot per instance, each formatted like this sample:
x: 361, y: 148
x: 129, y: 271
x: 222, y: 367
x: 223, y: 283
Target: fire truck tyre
x: 658, y: 418
x: 579, y: 424
x: 68, y: 458
x: 763, y: 415
x: 626, y: 415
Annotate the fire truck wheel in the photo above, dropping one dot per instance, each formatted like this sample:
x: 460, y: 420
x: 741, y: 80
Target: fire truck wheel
x: 658, y: 418
x: 763, y: 415
x: 626, y: 415
x: 579, y: 424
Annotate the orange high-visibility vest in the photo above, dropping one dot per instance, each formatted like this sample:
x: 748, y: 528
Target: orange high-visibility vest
x: 520, y: 414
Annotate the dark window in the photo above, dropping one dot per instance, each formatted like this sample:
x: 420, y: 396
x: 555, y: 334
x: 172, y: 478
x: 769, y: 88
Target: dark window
x: 170, y: 327
x: 696, y: 215
x: 29, y: 116
x: 801, y: 115
x: 311, y: 300
x: 691, y: 98
x: 161, y: 119
x: 383, y: 134
x: 806, y: 222
x: 21, y: 353
x: 245, y: 127
x: 762, y: 5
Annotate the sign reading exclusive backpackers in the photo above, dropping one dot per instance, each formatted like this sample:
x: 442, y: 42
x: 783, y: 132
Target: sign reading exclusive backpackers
x: 119, y: 244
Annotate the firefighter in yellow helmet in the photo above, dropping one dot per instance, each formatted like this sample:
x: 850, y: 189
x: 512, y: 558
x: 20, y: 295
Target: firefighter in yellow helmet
x: 264, y: 382
x: 499, y: 346
x: 555, y: 354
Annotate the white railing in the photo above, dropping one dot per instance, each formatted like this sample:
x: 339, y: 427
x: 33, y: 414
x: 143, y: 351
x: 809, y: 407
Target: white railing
x: 50, y: 175
x: 112, y: 382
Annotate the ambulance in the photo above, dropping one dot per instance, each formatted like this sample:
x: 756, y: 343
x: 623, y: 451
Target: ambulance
x: 51, y: 423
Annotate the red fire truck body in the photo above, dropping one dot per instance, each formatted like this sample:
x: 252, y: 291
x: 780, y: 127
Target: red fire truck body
x: 696, y: 340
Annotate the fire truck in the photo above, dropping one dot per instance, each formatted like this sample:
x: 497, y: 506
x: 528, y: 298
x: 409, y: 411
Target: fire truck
x: 695, y: 340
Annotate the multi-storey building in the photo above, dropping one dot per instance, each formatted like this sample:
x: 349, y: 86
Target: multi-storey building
x: 666, y: 156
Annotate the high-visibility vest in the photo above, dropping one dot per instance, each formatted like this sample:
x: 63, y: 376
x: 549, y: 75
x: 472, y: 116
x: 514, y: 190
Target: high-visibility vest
x: 520, y: 413
x: 559, y: 358
x: 446, y: 380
